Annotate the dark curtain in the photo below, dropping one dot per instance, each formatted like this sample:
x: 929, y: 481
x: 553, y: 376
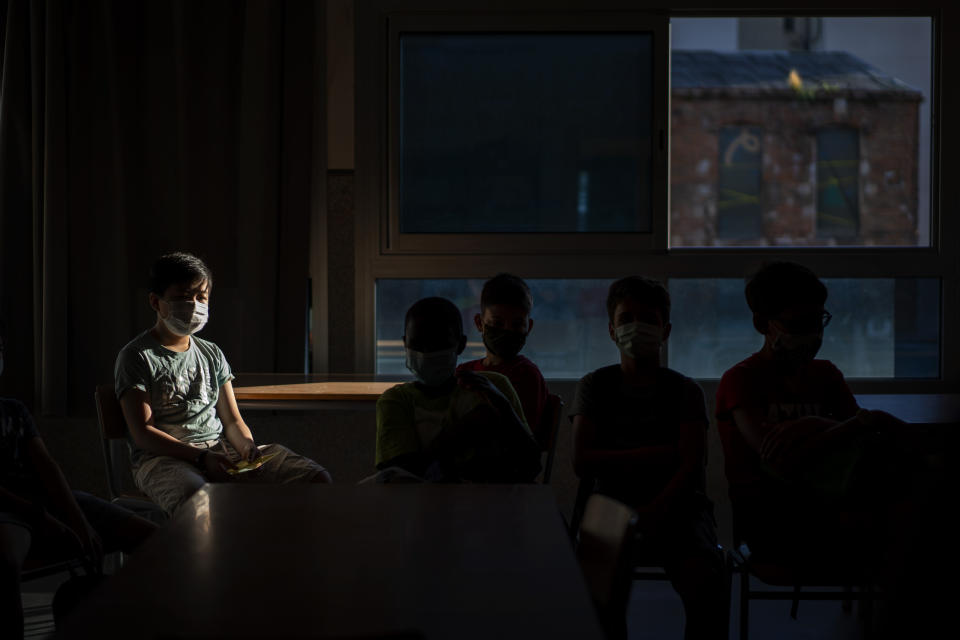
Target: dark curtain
x: 128, y: 129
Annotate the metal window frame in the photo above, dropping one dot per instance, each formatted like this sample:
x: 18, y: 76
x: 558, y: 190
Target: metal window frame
x: 542, y: 256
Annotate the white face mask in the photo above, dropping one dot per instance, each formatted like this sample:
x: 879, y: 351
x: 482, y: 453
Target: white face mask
x: 186, y: 317
x: 433, y: 368
x: 639, y: 340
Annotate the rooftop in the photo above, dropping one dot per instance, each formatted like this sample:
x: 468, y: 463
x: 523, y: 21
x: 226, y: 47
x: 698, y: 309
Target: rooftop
x: 767, y: 72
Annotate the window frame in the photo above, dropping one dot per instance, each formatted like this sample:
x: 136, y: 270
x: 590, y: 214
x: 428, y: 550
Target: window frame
x: 393, y: 242
x: 382, y: 255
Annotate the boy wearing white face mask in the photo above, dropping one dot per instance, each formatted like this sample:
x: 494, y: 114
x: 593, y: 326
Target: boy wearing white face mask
x: 447, y: 426
x: 177, y: 398
x: 804, y: 462
x: 639, y: 432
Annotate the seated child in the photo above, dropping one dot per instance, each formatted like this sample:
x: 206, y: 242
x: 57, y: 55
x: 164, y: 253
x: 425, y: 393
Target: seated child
x: 639, y: 432
x: 448, y: 426
x: 504, y: 323
x: 42, y: 518
x: 178, y: 401
x: 797, y: 446
x: 814, y: 479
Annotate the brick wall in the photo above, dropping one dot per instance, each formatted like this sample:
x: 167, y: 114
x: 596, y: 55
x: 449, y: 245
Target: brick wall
x: 887, y: 185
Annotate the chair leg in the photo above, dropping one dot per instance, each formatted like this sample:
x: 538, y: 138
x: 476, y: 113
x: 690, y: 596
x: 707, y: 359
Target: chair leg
x: 848, y: 601
x: 796, y: 602
x: 744, y: 604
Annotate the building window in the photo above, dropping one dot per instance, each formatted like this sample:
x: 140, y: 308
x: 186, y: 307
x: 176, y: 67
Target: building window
x: 738, y: 189
x: 838, y: 164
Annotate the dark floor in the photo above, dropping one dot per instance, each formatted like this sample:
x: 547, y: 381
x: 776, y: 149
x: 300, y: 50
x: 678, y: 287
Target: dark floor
x: 655, y: 613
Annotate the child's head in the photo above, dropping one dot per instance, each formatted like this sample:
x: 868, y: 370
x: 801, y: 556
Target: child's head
x: 787, y: 303
x: 433, y: 338
x: 639, y: 312
x: 504, y: 319
x: 180, y: 285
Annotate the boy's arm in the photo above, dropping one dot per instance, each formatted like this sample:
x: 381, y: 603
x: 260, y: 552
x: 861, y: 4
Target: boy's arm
x: 61, y: 497
x: 139, y: 418
x: 234, y: 428
x: 788, y: 444
x: 588, y: 460
x: 398, y: 444
x: 692, y: 453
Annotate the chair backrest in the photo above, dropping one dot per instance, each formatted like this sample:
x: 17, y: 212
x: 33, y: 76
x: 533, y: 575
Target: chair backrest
x: 607, y: 532
x: 550, y: 426
x: 113, y: 433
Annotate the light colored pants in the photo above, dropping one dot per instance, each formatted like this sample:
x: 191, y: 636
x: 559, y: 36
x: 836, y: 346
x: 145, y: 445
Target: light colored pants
x: 170, y: 481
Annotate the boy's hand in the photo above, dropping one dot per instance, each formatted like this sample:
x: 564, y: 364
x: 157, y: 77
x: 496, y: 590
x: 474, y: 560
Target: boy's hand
x: 786, y: 444
x: 90, y: 541
x: 216, y: 466
x: 248, y: 450
x: 473, y: 381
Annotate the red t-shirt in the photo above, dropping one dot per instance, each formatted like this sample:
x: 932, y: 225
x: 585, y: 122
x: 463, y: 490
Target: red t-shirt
x: 756, y: 383
x: 529, y: 385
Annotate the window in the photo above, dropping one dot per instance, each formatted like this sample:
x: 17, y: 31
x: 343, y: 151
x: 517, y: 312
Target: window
x: 838, y: 165
x: 738, y: 199
x: 505, y: 133
x: 809, y: 140
x: 845, y: 109
x: 881, y: 327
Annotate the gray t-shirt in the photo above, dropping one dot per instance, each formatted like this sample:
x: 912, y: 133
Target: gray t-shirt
x: 183, y: 388
x: 628, y: 417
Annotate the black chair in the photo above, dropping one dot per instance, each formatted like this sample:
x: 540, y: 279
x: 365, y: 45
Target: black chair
x: 550, y: 421
x: 829, y: 580
x: 113, y: 440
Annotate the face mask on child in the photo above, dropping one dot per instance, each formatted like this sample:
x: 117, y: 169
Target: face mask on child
x: 433, y: 368
x: 503, y: 343
x: 639, y: 340
x: 186, y: 317
x: 796, y: 348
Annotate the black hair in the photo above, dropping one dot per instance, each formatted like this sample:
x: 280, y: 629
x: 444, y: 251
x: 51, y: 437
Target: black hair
x: 642, y: 289
x: 178, y: 268
x: 438, y: 314
x: 508, y: 289
x: 778, y: 285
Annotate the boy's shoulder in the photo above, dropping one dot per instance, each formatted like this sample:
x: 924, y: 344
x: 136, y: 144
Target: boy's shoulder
x: 207, y: 346
x: 11, y: 407
x: 758, y: 366
x: 142, y: 342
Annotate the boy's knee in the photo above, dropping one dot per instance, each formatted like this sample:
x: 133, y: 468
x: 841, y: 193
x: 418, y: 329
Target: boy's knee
x: 322, y: 477
x: 14, y: 544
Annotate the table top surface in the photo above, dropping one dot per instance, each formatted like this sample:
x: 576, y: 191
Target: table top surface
x: 329, y: 561
x: 331, y: 391
x: 917, y: 408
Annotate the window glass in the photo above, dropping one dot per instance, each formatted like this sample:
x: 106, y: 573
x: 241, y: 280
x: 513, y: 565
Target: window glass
x: 738, y: 197
x: 837, y: 183
x: 881, y: 327
x: 525, y: 132
x: 840, y: 108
